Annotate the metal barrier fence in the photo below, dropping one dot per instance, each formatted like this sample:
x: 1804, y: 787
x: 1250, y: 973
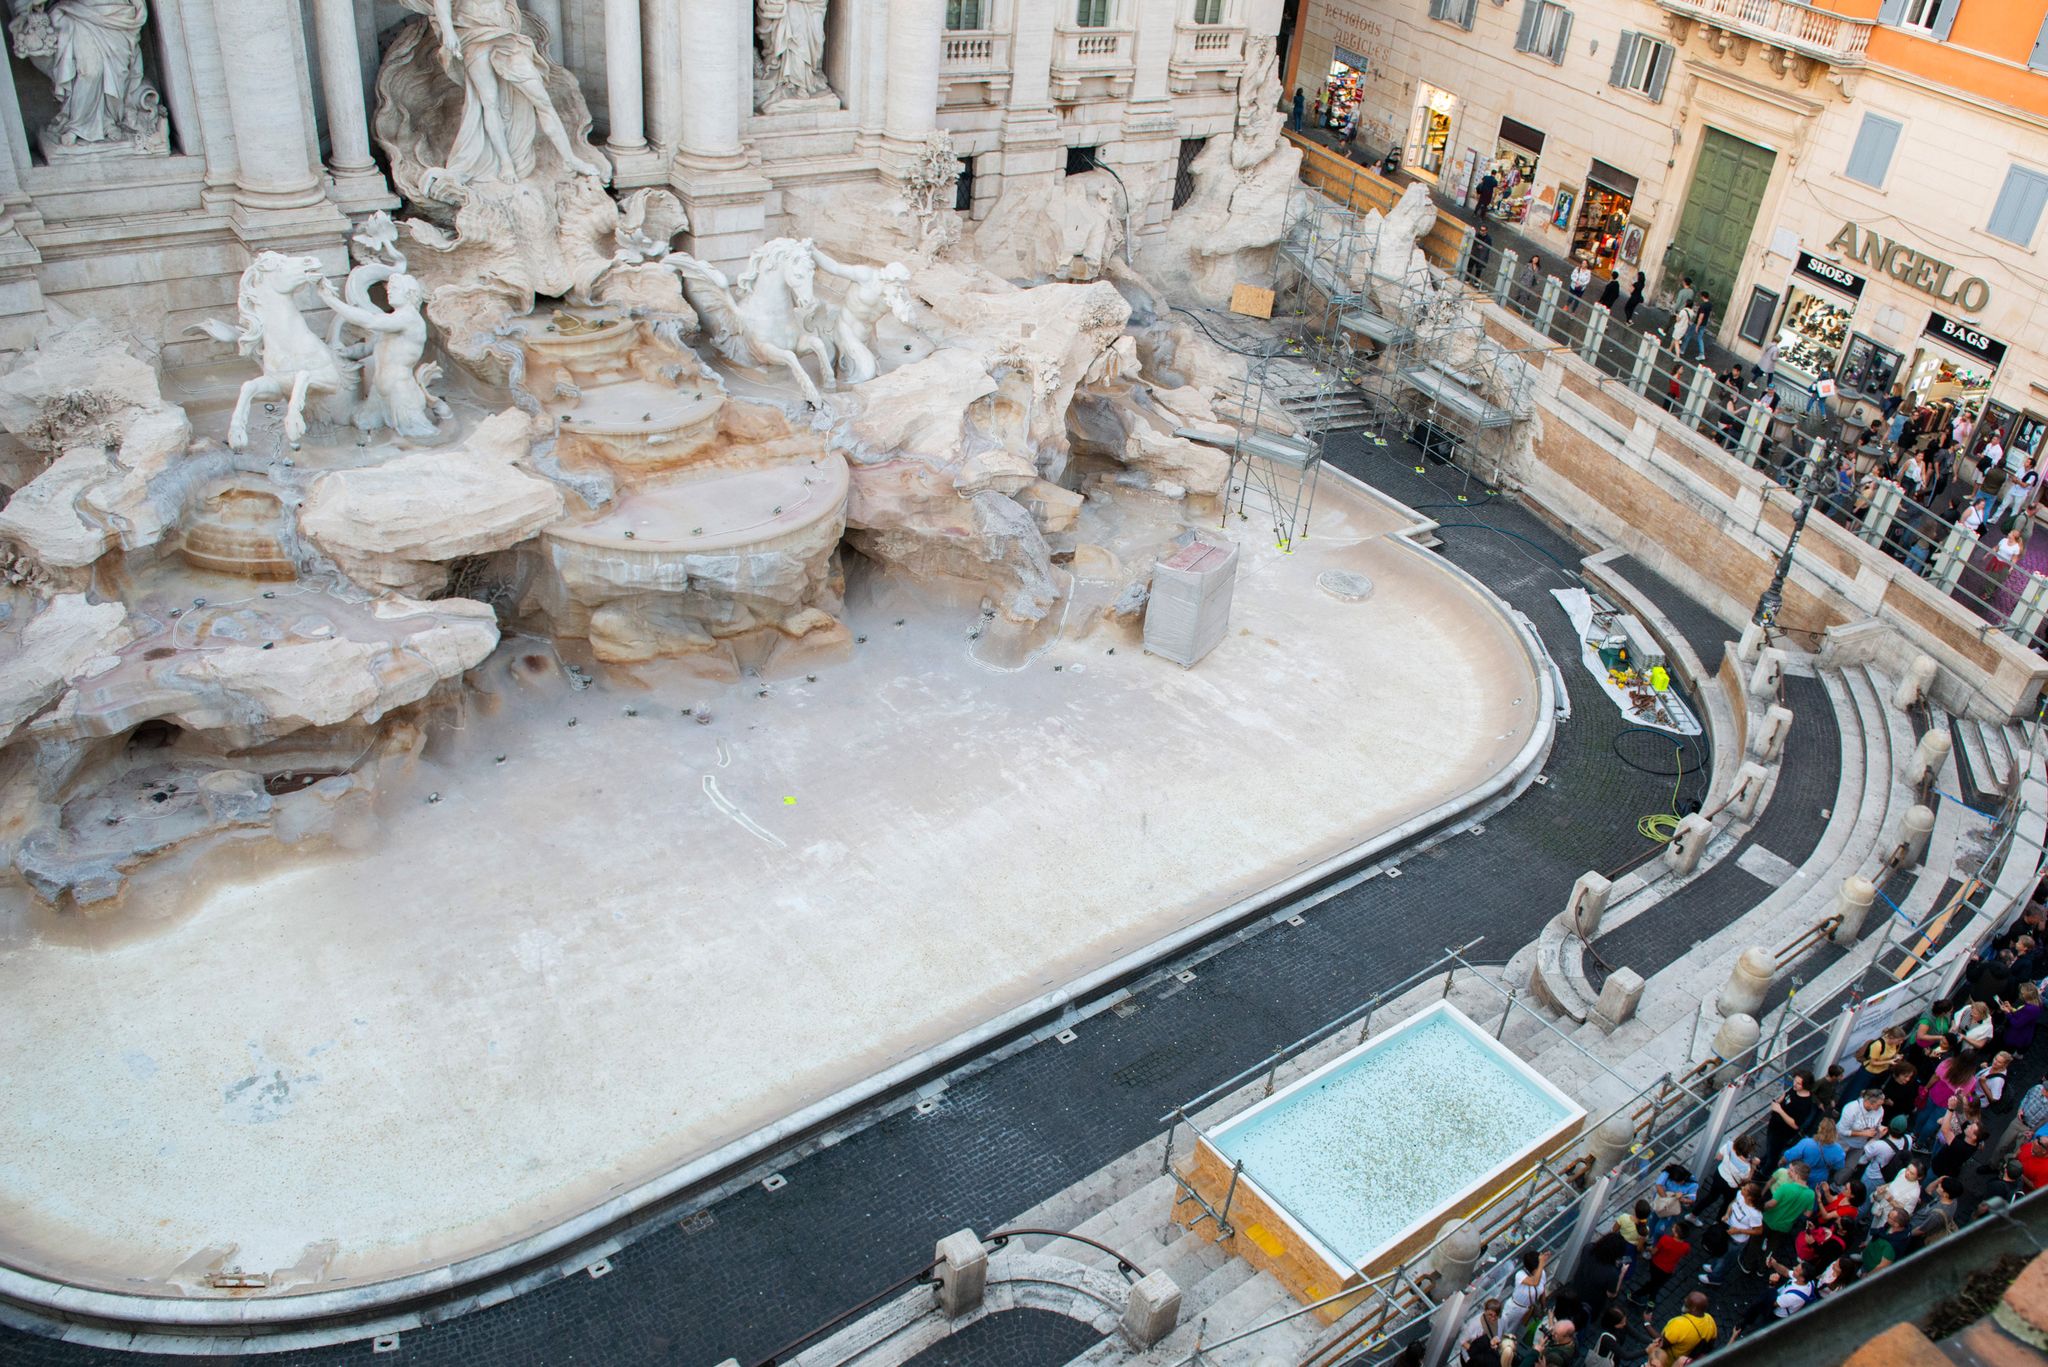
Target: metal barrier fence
x: 1870, y: 485
x: 1677, y: 1118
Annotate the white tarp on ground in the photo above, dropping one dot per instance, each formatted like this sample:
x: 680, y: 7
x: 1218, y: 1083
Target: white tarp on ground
x: 1666, y: 711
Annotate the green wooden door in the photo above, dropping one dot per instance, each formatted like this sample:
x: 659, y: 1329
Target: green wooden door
x: 1720, y: 214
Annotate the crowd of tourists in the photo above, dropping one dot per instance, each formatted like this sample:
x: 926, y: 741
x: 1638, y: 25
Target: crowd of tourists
x: 1924, y: 1129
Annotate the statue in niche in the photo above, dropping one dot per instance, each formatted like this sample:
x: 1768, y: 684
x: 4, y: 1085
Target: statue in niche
x: 92, y: 52
x: 506, y: 107
x: 791, y: 62
x: 396, y: 343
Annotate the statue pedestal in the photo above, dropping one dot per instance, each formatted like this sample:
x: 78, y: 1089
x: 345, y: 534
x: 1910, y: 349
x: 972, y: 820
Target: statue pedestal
x: 157, y: 144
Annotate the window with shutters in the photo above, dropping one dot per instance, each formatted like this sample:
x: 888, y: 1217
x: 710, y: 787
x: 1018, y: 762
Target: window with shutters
x: 2017, y: 214
x: 1929, y: 16
x: 1457, y: 12
x: 966, y: 14
x: 1208, y: 11
x: 1641, y: 64
x: 2039, y: 60
x: 1546, y: 29
x: 1870, y: 160
x: 1091, y: 13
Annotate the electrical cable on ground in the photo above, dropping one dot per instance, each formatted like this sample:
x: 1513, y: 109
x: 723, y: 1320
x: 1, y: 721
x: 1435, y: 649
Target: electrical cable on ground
x: 1659, y: 826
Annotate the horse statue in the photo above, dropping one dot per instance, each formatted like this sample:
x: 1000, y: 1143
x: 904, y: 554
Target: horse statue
x: 297, y: 365
x: 769, y: 316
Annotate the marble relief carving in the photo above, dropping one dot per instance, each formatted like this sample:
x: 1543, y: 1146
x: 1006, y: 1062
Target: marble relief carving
x: 92, y: 52
x: 789, y: 63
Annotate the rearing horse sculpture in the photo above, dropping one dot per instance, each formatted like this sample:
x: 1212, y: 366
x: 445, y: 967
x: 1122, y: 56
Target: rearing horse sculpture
x: 770, y: 316
x: 297, y: 365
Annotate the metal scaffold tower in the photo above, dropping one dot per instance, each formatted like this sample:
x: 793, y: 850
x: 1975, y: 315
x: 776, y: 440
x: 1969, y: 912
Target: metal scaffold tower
x: 1388, y: 350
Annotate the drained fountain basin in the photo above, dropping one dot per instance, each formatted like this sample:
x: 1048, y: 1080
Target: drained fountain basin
x: 1354, y: 1168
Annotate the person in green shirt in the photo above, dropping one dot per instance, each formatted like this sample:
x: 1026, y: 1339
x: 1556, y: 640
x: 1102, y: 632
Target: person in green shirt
x: 1884, y: 1245
x: 1791, y: 1201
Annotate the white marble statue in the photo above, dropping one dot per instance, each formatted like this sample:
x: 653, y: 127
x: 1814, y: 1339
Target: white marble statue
x: 396, y: 339
x: 92, y: 52
x: 506, y: 106
x: 297, y: 365
x: 871, y: 292
x: 791, y: 61
x: 769, y: 316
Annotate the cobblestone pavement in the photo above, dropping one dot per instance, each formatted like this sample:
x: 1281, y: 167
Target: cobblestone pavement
x: 1016, y: 1338
x: 767, y: 1267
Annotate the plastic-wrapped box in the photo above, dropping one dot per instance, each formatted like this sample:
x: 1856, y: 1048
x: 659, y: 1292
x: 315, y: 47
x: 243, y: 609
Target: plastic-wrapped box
x: 1189, y: 609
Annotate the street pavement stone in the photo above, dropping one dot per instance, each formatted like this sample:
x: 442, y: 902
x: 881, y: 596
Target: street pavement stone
x: 1702, y: 628
x: 1790, y: 826
x: 860, y: 1214
x: 1014, y: 1338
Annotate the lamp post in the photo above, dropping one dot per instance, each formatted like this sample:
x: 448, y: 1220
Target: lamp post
x: 1820, y: 471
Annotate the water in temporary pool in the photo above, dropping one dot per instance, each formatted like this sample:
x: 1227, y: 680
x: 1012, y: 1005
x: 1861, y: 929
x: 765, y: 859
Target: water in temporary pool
x: 1398, y: 1131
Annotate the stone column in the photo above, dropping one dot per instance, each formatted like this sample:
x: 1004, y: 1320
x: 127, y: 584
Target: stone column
x: 632, y: 162
x: 1033, y: 145
x: 726, y: 201
x: 916, y: 30
x: 278, y: 194
x: 549, y: 12
x: 713, y: 30
x: 355, y: 172
x: 662, y: 31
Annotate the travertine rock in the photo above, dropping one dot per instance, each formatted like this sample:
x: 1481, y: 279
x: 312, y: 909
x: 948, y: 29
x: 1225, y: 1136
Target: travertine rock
x: 56, y: 645
x: 79, y: 384
x: 355, y: 660
x: 393, y: 526
x: 89, y: 500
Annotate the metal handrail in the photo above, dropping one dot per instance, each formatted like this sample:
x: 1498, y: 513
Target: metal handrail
x: 1001, y: 1238
x: 781, y: 1355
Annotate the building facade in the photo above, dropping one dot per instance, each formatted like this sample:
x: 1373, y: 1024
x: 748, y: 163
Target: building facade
x: 1864, y: 181
x: 249, y: 124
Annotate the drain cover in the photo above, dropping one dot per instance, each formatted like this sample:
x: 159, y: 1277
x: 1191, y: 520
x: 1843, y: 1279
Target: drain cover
x: 1348, y: 585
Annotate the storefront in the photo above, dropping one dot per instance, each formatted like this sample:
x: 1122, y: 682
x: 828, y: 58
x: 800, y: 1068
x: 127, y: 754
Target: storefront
x: 1342, y: 89
x: 1429, y: 133
x: 1516, y: 153
x: 1869, y: 368
x: 1818, y: 308
x: 1603, y: 217
x: 1952, y: 371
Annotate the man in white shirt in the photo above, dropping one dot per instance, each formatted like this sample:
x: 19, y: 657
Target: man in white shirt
x: 1862, y: 1120
x: 1882, y: 1150
x: 2020, y: 489
x: 1745, y: 1222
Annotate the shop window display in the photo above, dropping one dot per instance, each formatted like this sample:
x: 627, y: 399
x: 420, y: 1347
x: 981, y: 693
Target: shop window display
x: 1603, y: 219
x: 1341, y: 95
x: 1813, y: 334
x: 1869, y: 368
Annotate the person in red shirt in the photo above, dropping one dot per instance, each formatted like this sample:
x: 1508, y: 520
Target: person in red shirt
x: 2033, y: 1161
x: 1666, y: 1254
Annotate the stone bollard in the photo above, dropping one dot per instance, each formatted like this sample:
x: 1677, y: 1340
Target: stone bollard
x: 1153, y: 1310
x: 1682, y: 855
x: 1747, y: 983
x: 1916, y: 828
x: 1588, y: 904
x: 1770, y: 668
x: 1928, y: 757
x: 1619, y: 997
x: 1456, y: 1257
x: 1750, y: 781
x: 1767, y: 738
x: 963, y: 1272
x: 1734, y: 1042
x: 1611, y: 1140
x: 1752, y: 641
x: 1917, y: 684
x: 1853, y: 904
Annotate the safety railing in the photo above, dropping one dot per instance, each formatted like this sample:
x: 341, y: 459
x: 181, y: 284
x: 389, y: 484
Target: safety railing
x: 1867, y: 484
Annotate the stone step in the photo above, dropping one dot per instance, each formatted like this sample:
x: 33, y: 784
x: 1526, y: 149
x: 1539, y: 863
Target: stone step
x: 1214, y: 1287
x: 1190, y: 1259
x: 1254, y: 1301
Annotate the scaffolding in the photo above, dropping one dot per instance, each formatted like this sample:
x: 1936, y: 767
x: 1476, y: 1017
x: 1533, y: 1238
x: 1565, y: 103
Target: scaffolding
x: 1390, y: 351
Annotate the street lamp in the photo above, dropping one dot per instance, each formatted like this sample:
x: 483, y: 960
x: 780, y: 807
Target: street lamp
x: 1819, y: 475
